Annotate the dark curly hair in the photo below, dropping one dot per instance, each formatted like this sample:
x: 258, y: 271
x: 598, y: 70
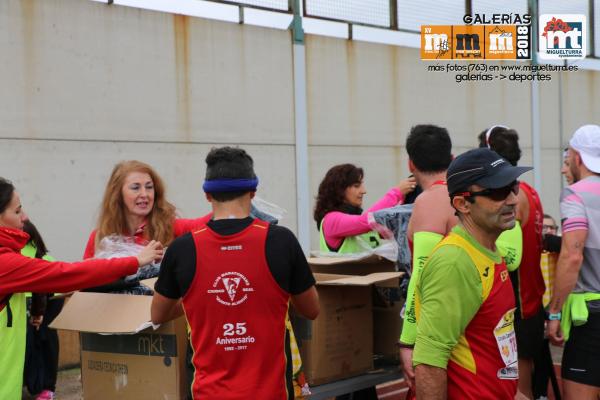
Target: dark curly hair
x: 333, y: 187
x: 504, y: 142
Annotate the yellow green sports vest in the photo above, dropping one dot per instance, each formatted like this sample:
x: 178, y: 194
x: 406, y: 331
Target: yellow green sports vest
x: 12, y: 343
x: 12, y: 340
x: 351, y: 244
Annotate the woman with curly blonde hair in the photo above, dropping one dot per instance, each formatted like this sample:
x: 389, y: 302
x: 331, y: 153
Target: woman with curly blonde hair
x: 135, y: 206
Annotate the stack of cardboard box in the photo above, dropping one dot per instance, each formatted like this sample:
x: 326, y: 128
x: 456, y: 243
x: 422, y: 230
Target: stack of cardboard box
x: 350, y: 329
x: 123, y: 357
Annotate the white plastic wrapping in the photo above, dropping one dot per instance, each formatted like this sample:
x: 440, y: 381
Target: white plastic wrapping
x: 272, y: 210
x: 114, y: 246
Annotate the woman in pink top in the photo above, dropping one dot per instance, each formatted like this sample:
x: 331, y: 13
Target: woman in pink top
x: 343, y: 225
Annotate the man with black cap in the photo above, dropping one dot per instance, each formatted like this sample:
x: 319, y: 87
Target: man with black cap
x: 575, y: 305
x: 465, y: 346
x: 234, y: 277
x: 525, y: 273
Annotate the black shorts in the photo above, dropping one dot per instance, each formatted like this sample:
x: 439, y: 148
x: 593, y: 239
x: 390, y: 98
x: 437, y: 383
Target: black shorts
x: 530, y: 335
x: 581, y: 356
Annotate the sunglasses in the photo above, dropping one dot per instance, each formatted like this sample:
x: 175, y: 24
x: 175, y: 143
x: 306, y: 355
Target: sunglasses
x: 498, y: 194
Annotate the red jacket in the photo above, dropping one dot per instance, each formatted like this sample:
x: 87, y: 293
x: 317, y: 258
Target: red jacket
x: 180, y: 226
x: 23, y: 274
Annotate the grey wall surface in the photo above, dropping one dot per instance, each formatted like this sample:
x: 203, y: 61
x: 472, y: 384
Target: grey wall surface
x: 364, y: 97
x: 85, y: 85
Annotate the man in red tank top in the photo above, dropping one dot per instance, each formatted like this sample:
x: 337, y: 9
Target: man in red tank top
x: 234, y: 278
x: 527, y: 280
x: 429, y: 149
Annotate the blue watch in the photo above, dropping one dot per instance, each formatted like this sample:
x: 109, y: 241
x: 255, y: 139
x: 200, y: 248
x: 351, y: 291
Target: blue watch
x: 554, y: 317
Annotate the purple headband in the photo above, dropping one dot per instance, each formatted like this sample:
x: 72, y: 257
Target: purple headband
x: 230, y: 185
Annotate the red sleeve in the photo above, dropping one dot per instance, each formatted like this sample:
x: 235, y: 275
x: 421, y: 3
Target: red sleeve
x: 182, y: 226
x: 23, y: 274
x: 90, y: 247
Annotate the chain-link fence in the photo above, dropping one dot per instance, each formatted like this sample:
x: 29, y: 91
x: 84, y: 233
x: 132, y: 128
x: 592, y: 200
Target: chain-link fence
x: 409, y: 15
x: 275, y: 5
x: 368, y: 12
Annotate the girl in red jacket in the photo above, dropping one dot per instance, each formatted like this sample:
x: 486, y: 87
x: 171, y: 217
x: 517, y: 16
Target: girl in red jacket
x: 20, y: 274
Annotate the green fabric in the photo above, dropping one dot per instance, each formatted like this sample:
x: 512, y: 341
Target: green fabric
x: 450, y: 294
x: 352, y: 244
x: 12, y: 343
x: 575, y: 311
x: 12, y: 340
x: 29, y: 251
x: 510, y: 246
x: 423, y: 245
x: 496, y: 257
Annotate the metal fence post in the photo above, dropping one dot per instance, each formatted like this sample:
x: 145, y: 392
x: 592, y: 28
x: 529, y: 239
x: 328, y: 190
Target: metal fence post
x: 301, y: 128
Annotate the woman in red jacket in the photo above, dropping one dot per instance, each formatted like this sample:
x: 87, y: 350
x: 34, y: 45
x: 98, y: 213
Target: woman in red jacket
x: 20, y: 274
x: 135, y: 206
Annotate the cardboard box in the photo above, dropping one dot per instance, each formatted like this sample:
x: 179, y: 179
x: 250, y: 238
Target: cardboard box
x: 68, y: 355
x: 387, y: 324
x: 122, y: 357
x: 341, y: 338
x: 351, y: 265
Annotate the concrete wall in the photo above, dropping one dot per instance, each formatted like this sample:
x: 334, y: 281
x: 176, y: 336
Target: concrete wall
x: 364, y: 97
x: 85, y: 85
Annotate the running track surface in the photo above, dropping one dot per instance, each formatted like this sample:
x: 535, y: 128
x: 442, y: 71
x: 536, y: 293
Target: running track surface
x: 397, y: 390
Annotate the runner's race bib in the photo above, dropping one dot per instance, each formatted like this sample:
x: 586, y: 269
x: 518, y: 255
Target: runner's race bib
x: 507, y: 345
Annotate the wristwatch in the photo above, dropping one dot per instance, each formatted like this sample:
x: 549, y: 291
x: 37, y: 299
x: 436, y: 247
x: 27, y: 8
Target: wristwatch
x: 554, y: 317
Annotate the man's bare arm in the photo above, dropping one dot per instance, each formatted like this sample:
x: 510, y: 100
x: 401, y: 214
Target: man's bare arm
x: 307, y: 303
x: 567, y: 267
x: 431, y: 382
x: 164, y: 309
x: 567, y: 271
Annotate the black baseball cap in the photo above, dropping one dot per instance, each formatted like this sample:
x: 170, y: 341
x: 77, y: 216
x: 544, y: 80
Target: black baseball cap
x: 483, y: 167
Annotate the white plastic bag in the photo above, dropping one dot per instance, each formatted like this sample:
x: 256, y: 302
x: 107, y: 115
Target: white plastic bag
x: 113, y: 246
x: 270, y: 209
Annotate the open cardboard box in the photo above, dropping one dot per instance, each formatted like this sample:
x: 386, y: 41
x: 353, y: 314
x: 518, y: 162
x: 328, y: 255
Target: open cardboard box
x: 122, y: 356
x: 387, y: 323
x: 341, y: 338
x: 351, y: 265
